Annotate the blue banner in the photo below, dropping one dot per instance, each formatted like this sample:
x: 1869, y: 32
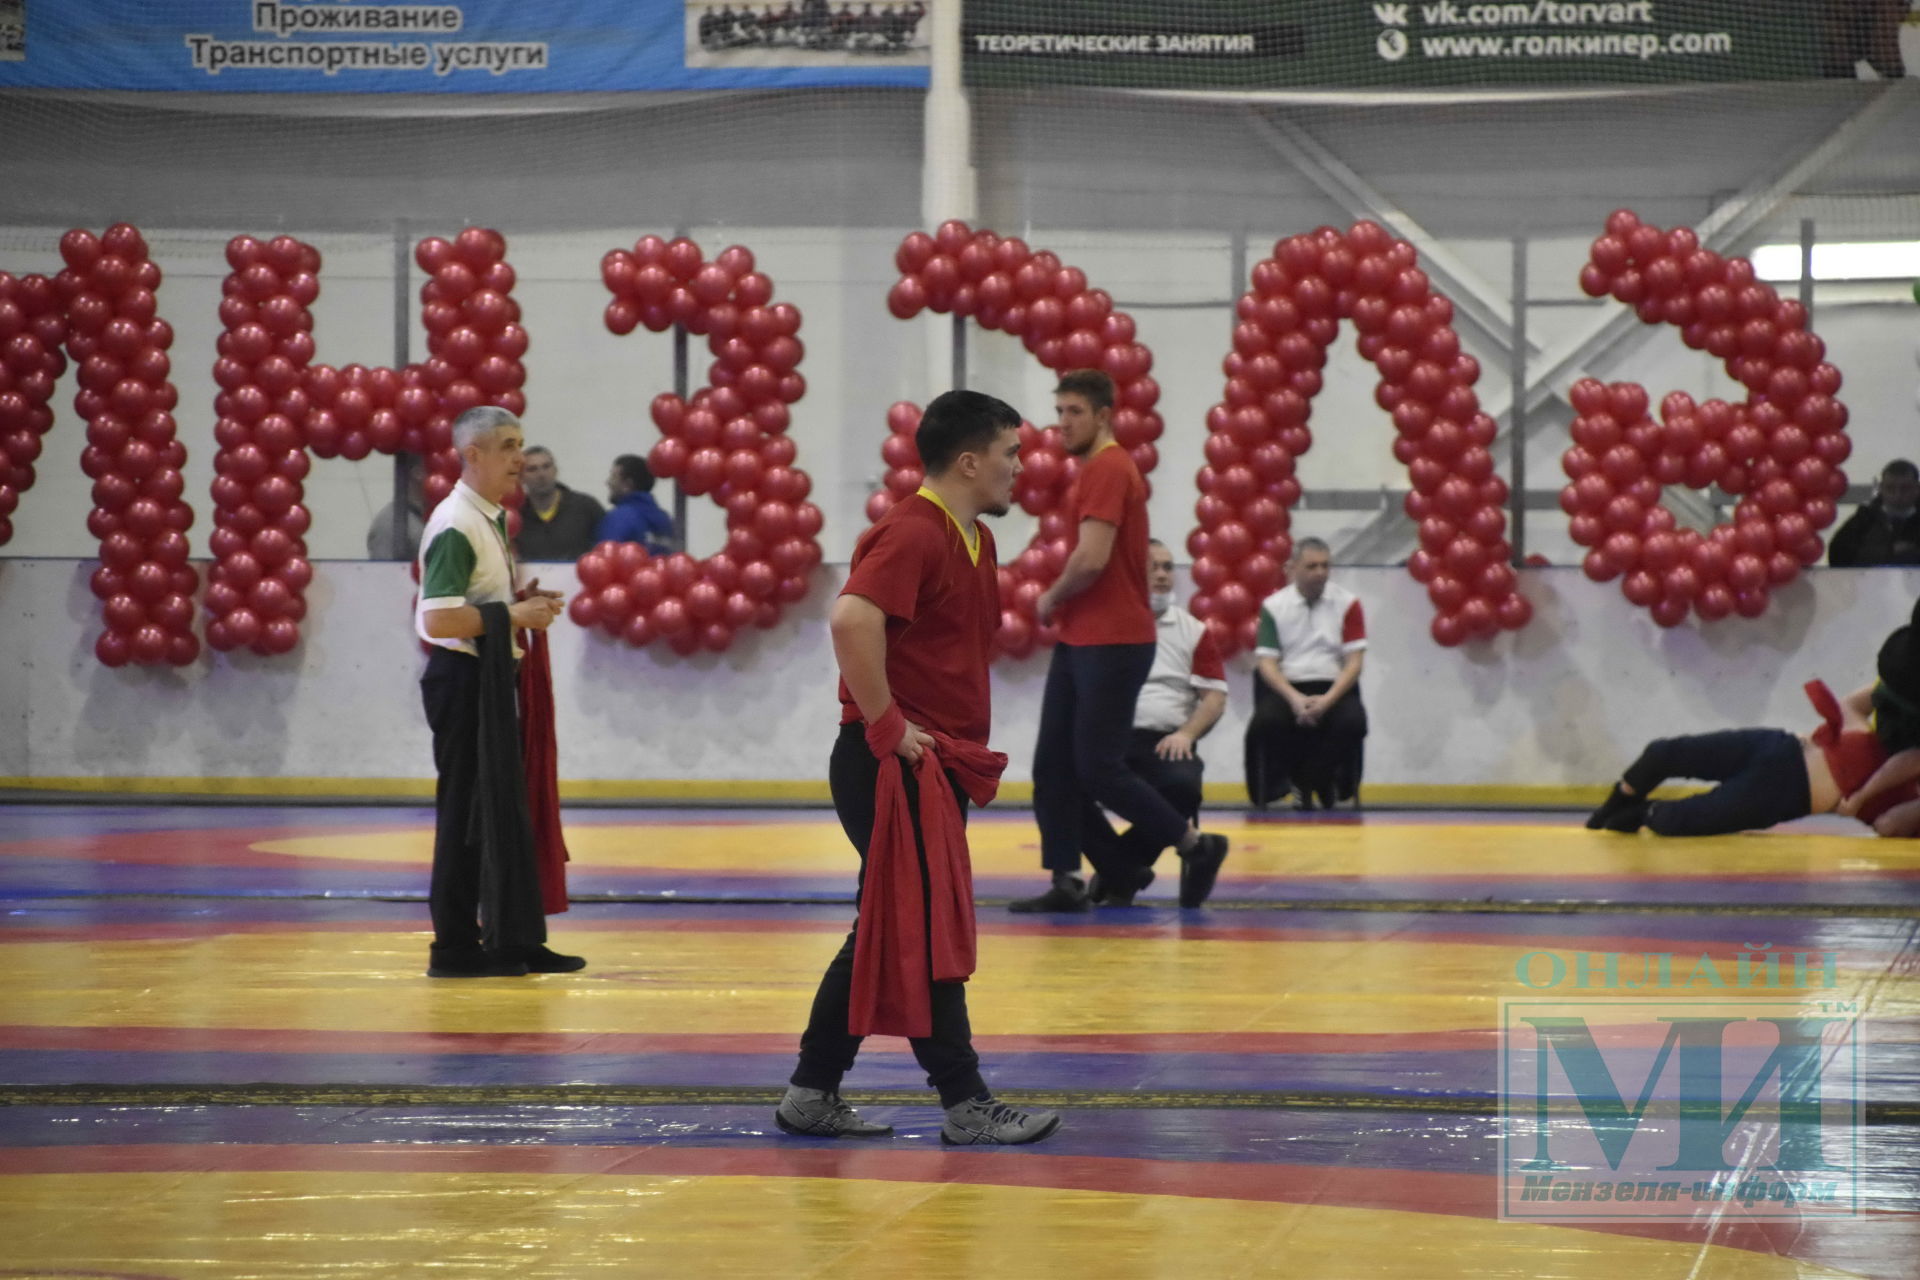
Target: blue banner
x: 462, y: 46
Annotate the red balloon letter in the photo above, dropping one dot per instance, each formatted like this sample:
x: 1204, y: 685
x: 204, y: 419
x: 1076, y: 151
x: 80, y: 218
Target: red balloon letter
x: 730, y: 441
x: 102, y: 308
x: 1004, y: 285
x: 275, y: 404
x: 1781, y: 449
x: 1287, y: 321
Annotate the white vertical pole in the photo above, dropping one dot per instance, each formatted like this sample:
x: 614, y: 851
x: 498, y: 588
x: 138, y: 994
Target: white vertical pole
x: 947, y: 181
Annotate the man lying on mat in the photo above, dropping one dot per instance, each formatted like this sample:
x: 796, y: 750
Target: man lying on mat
x: 1863, y: 762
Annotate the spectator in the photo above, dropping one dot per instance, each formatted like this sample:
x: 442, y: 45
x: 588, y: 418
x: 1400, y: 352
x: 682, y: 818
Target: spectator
x: 1308, y: 720
x: 1886, y: 529
x: 1181, y: 701
x: 557, y: 523
x: 633, y: 515
x: 381, y: 543
x: 1856, y: 31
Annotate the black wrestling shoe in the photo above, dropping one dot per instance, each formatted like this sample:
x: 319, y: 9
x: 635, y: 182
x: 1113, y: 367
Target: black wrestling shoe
x: 1619, y: 812
x: 1058, y: 898
x: 1629, y: 820
x: 1199, y: 868
x: 544, y: 959
x: 1100, y: 895
x: 472, y: 962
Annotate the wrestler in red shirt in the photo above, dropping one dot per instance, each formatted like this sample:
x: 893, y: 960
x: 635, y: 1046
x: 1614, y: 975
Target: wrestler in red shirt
x: 912, y: 632
x: 1104, y: 655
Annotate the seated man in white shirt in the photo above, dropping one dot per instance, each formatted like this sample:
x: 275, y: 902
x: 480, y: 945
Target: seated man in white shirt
x: 1308, y: 720
x: 1182, y: 699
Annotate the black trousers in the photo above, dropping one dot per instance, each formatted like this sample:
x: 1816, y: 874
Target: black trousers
x: 1762, y: 775
x: 1322, y: 759
x: 450, y: 690
x: 1122, y: 855
x: 1080, y: 759
x: 827, y: 1048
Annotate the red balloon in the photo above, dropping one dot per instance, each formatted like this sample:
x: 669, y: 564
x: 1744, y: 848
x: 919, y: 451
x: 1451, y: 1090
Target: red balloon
x: 612, y: 606
x: 1669, y: 611
x: 595, y: 571
x: 243, y: 626
x: 638, y: 630
x: 278, y: 636
x: 113, y: 649
x: 907, y: 298
x: 669, y: 617
x: 1641, y: 588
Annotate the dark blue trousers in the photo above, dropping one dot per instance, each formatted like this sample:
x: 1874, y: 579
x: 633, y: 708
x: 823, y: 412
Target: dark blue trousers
x: 1080, y: 759
x: 1762, y: 775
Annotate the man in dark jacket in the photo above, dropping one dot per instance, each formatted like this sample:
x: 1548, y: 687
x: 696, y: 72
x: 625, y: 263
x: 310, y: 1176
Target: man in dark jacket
x: 557, y: 523
x: 1885, y: 530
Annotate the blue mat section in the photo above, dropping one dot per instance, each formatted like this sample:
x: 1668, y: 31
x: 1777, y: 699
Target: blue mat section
x: 1410, y: 1141
x: 27, y: 877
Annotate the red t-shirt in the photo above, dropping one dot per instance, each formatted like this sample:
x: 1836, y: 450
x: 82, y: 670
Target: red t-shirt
x: 942, y: 611
x: 1114, y: 609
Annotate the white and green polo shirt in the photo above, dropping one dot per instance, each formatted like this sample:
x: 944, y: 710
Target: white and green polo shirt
x: 463, y: 560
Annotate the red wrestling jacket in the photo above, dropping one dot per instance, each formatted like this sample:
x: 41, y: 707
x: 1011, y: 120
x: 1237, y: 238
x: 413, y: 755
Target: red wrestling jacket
x: 899, y: 949
x: 1853, y: 755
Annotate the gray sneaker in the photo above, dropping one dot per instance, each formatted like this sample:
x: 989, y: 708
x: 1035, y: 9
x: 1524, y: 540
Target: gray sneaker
x: 815, y: 1113
x: 994, y: 1123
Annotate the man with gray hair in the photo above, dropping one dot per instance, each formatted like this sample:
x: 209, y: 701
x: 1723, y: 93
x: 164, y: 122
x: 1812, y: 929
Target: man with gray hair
x: 1308, y: 722
x: 485, y: 900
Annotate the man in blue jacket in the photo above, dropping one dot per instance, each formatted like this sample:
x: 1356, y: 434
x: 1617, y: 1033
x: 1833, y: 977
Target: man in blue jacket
x: 632, y: 514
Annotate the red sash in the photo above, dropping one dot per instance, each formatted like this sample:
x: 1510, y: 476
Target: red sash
x: 540, y: 757
x: 900, y: 950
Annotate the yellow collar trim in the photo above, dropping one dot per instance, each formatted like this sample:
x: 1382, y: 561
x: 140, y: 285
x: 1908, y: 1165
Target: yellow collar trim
x: 971, y: 537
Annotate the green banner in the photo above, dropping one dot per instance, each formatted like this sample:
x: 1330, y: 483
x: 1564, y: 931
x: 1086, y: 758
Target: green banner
x: 1423, y: 44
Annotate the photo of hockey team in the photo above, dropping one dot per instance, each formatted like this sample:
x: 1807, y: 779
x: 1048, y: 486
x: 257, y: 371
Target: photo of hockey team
x: 807, y: 33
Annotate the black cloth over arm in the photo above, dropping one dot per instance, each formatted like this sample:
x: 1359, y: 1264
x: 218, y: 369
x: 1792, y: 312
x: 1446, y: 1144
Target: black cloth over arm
x: 502, y: 826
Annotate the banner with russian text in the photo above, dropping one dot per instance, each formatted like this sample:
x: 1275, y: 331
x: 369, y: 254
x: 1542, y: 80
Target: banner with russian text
x: 461, y: 46
x: 1425, y: 44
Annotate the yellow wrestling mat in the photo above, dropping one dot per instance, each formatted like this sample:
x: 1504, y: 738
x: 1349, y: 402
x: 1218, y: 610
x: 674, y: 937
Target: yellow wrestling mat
x: 384, y: 1226
x: 738, y: 980
x: 1393, y: 848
